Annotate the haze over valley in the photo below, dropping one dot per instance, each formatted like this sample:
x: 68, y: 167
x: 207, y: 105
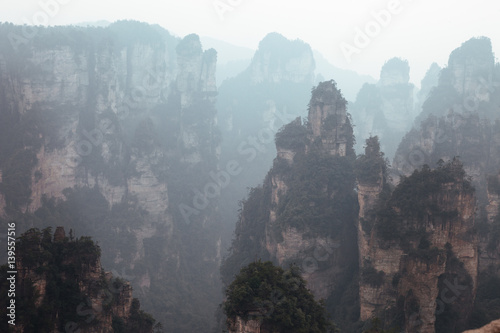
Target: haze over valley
x: 232, y: 166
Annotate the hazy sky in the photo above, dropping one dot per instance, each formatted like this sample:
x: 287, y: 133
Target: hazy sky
x: 420, y: 31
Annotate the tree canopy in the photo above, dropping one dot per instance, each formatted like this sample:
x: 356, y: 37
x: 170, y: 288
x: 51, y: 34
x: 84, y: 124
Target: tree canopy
x: 277, y: 298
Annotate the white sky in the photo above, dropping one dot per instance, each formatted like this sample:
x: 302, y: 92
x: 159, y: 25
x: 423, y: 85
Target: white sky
x: 421, y: 31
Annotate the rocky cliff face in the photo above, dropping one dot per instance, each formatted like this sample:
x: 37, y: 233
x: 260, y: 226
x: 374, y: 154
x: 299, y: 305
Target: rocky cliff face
x: 306, y: 209
x: 294, y: 62
x: 489, y: 242
x: 108, y: 83
x: 63, y: 287
x: 409, y: 255
x: 466, y: 67
x: 397, y: 94
x: 429, y: 82
x: 329, y: 134
x: 455, y: 254
x: 328, y: 123
x: 493, y: 327
x: 128, y: 111
x: 385, y: 109
x: 245, y: 326
x: 459, y: 118
x: 272, y: 91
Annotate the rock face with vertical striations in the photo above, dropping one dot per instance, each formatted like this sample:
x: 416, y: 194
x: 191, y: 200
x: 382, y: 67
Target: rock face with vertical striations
x: 415, y: 243
x: 328, y: 123
x: 115, y: 129
x: 385, y: 109
x: 245, y: 326
x: 305, y: 211
x: 294, y: 62
x: 460, y: 118
x: 63, y: 287
x: 425, y: 244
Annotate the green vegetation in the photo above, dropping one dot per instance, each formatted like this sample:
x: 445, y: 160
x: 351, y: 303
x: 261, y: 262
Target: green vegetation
x: 414, y: 199
x: 66, y: 265
x: 250, y: 231
x: 319, y: 199
x: 278, y: 299
x: 86, y: 211
x: 371, y: 168
x: 320, y: 195
x: 23, y: 133
x: 413, y: 194
x: 140, y: 321
x: 292, y: 136
x: 327, y: 93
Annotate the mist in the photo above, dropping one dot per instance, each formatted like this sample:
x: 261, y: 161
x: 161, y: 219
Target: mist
x: 234, y: 166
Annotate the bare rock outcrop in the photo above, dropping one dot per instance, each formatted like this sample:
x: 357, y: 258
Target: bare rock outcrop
x: 493, y: 327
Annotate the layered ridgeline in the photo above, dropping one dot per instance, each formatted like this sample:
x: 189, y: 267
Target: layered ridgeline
x: 461, y: 118
x: 306, y: 209
x: 266, y: 298
x: 251, y: 108
x: 111, y: 132
x: 428, y: 83
x: 385, y: 109
x: 416, y: 241
x: 428, y: 250
x: 418, y: 252
x: 60, y: 286
x: 350, y: 81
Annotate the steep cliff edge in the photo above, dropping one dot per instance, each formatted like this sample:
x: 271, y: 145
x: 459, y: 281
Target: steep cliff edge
x: 489, y: 230
x: 61, y: 287
x: 415, y: 242
x: 266, y: 298
x: 112, y: 132
x: 306, y: 210
x: 385, y: 109
x: 460, y: 118
x: 251, y: 107
x: 294, y: 62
